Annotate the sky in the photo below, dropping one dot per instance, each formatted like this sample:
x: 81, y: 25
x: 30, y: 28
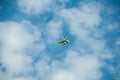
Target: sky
x: 29, y: 34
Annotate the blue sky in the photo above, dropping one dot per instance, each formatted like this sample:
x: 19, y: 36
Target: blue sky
x: 29, y: 31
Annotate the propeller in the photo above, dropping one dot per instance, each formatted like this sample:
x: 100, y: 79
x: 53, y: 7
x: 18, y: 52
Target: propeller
x: 65, y: 35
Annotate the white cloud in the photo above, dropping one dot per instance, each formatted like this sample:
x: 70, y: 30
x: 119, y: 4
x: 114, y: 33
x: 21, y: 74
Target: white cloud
x: 76, y: 65
x: 113, y: 26
x: 53, y: 31
x: 34, y: 7
x: 87, y: 15
x: 24, y: 78
x: 43, y: 68
x: 115, y: 69
x: 82, y: 61
x: 78, y: 68
x: 4, y: 76
x: 17, y: 40
x: 73, y: 67
x: 17, y: 63
x: 83, y: 22
x: 12, y: 36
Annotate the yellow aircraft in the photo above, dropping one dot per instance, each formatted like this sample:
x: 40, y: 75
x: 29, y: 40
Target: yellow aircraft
x: 64, y: 41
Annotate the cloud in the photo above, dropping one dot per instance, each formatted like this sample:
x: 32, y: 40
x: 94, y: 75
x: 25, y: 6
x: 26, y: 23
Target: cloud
x: 79, y: 67
x: 54, y: 29
x: 83, y: 24
x: 34, y: 7
x: 86, y: 15
x: 43, y: 68
x: 21, y: 43
x: 73, y: 67
x: 17, y: 40
x: 116, y: 68
x: 85, y: 60
x: 4, y: 76
x: 24, y: 78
